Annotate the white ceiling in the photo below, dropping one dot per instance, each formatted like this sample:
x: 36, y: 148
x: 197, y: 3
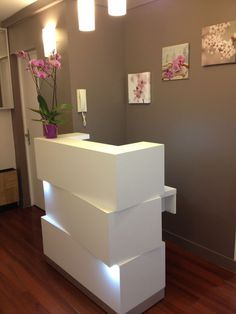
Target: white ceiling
x: 9, y: 7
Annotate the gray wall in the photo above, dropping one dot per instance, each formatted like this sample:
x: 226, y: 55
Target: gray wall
x: 97, y: 64
x: 94, y: 61
x: 27, y: 35
x: 195, y: 118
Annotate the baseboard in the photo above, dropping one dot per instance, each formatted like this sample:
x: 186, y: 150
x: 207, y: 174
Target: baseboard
x: 209, y: 255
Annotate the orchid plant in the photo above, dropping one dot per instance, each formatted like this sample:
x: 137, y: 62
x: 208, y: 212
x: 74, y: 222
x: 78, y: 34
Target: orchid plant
x: 44, y: 71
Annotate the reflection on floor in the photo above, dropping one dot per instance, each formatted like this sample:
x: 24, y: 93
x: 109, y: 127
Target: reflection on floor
x: 29, y: 285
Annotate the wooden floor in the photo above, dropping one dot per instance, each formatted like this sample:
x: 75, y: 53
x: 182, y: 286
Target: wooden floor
x: 29, y: 285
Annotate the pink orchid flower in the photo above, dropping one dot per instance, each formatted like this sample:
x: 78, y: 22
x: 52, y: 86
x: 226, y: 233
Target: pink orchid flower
x: 43, y: 70
x: 22, y: 54
x: 41, y: 74
x: 36, y: 63
x: 55, y: 63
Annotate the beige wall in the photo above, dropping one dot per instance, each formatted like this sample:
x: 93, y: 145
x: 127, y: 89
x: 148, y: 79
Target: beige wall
x: 7, y: 151
x: 194, y: 118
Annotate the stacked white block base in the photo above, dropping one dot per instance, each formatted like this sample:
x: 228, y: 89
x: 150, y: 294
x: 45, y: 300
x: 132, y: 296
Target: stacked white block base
x: 122, y: 287
x: 111, y: 237
x: 103, y: 217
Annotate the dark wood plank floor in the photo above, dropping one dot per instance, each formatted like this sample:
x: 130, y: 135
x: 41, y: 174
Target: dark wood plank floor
x: 29, y: 285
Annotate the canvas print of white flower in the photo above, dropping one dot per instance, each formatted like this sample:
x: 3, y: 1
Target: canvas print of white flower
x: 139, y: 88
x: 219, y: 43
x: 175, y: 62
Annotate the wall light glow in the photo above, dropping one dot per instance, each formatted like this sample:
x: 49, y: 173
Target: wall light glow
x: 49, y: 39
x: 86, y: 15
x: 117, y: 7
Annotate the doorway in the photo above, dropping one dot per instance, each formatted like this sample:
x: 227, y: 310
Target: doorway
x: 32, y: 129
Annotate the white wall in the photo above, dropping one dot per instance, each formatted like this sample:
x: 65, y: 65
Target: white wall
x: 7, y: 150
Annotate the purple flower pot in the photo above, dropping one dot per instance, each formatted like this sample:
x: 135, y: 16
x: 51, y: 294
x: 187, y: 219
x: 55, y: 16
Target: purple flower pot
x: 50, y: 130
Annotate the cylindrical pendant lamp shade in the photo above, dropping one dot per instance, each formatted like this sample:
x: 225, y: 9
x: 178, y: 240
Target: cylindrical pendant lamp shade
x: 86, y: 15
x: 117, y: 7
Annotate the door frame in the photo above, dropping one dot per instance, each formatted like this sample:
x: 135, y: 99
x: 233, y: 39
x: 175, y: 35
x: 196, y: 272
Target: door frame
x: 24, y: 129
x: 32, y: 129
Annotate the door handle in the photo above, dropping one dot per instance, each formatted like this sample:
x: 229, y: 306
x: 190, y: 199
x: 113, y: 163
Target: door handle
x: 27, y: 135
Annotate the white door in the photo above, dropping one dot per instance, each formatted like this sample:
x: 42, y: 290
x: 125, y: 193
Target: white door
x: 32, y: 129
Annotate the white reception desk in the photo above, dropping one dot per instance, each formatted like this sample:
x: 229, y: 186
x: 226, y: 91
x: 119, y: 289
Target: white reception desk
x: 103, y: 225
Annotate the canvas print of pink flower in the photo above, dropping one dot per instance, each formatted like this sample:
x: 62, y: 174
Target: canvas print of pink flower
x: 175, y: 62
x: 219, y: 43
x: 139, y: 88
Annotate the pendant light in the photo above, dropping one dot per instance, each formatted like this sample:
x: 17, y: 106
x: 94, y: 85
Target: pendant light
x: 86, y: 15
x: 117, y: 7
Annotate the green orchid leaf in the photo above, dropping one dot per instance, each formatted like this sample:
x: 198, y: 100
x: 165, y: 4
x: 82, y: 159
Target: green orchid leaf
x: 36, y: 110
x: 49, y: 116
x: 43, y: 104
x: 59, y: 122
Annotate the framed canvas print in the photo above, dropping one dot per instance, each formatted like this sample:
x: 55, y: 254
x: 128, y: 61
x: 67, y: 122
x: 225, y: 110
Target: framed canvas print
x: 175, y: 62
x: 139, y: 88
x: 219, y: 43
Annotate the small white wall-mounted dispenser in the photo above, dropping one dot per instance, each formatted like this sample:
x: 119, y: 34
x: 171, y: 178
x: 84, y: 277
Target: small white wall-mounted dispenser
x: 82, y: 103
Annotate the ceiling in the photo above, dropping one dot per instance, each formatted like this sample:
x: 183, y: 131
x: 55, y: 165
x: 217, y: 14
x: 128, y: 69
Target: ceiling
x: 9, y: 7
x: 130, y: 3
